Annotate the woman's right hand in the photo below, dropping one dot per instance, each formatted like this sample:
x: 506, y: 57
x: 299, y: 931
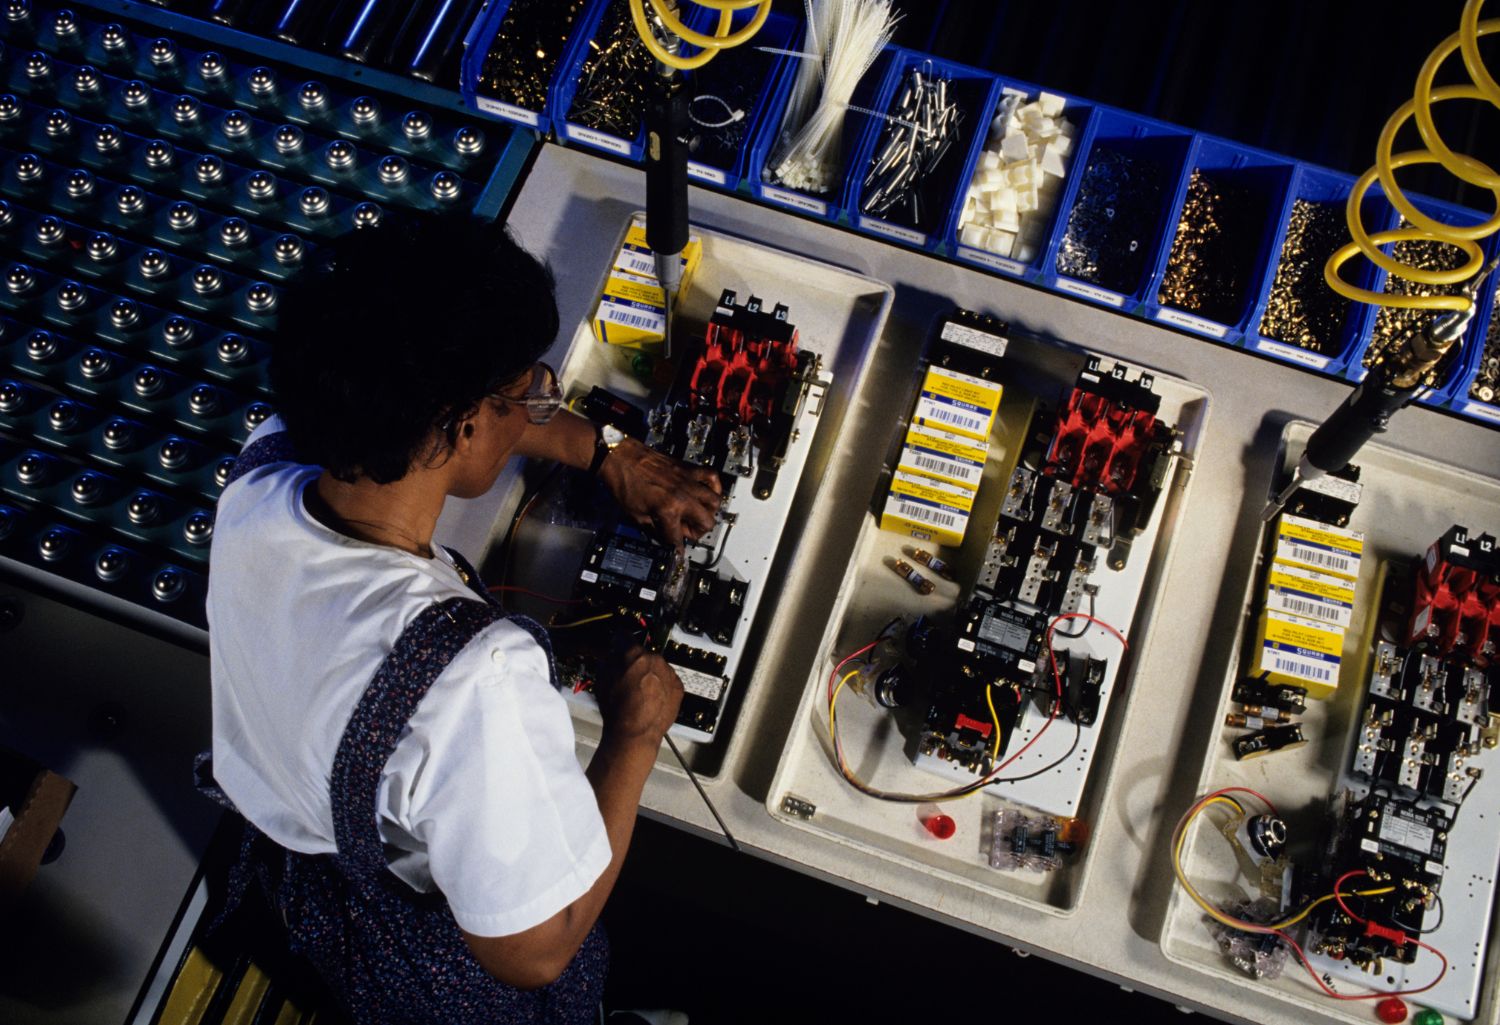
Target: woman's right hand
x: 642, y: 704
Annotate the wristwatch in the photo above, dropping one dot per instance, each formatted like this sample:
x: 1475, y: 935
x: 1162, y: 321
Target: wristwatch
x: 606, y: 440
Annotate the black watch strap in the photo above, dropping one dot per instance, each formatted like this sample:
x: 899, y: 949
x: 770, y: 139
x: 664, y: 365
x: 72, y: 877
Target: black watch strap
x: 601, y: 450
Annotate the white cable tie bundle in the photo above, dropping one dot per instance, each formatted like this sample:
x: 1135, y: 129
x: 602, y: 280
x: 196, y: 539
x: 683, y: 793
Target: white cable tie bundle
x: 849, y: 34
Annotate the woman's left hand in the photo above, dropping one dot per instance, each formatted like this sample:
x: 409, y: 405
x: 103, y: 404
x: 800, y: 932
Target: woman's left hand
x: 676, y: 500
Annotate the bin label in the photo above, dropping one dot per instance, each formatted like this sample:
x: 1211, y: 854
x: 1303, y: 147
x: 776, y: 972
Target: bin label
x: 509, y: 111
x: 1293, y: 354
x: 1483, y: 410
x: 795, y: 199
x: 900, y: 234
x: 708, y: 174
x: 1192, y: 323
x: 1102, y: 295
x: 992, y: 260
x: 588, y: 136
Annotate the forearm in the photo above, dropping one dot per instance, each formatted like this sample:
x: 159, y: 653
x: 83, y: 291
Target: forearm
x: 567, y: 438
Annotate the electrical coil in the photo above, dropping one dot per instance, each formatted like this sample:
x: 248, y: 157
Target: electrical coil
x: 708, y: 45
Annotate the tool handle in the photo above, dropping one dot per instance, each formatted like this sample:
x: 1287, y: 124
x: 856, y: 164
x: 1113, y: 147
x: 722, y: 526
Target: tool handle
x: 666, y: 170
x: 1364, y: 414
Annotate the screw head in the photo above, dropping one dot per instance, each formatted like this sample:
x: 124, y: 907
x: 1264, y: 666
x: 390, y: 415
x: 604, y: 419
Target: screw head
x: 94, y: 363
x: 71, y: 296
x: 87, y: 488
x: 86, y: 80
x: 159, y: 154
x: 7, y: 215
x: 80, y: 183
x: 364, y: 111
x: 111, y: 564
x: 469, y: 141
x: 417, y: 125
x: 208, y: 169
x: 50, y: 230
x: 148, y: 381
x: 203, y: 400
x: 168, y: 585
x: 65, y: 24
x: 186, y: 110
x: 114, y: 38
x: 118, y: 434
x: 17, y: 10
x: 19, y: 278
x: 262, y: 81
x: 393, y: 170
x: 313, y: 200
x: 41, y: 345
x: 31, y: 469
x: 207, y: 280
x: 131, y: 201
x: 107, y: 139
x: 367, y: 215
x: 124, y: 313
x: 257, y: 414
x: 63, y: 416
x: 182, y: 216
x: 54, y: 544
x: 289, y: 249
x: 38, y: 65
x: 11, y: 397
x: 211, y: 67
x: 10, y: 107
x: 261, y: 185
x: 173, y: 454
x: 199, y: 527
x: 234, y: 232
x: 446, y: 186
x: 58, y: 123
x: 136, y: 94
x: 232, y: 349
x: 260, y: 297
x: 163, y: 51
x: 312, y: 96
x: 288, y: 140
x: 339, y: 154
x: 143, y: 508
x: 236, y: 124
x: 177, y: 332
x: 222, y: 469
x: 29, y: 167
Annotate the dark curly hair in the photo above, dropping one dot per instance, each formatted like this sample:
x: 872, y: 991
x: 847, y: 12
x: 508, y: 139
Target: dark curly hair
x: 397, y: 330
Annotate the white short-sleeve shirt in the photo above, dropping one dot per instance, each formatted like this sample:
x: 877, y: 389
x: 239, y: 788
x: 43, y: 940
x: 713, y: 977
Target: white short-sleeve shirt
x: 483, y: 798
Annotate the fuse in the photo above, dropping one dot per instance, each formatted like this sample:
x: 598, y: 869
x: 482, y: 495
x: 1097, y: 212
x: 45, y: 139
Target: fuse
x: 931, y: 561
x: 918, y: 582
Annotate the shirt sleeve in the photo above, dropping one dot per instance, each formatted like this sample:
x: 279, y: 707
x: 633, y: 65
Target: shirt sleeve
x: 487, y: 781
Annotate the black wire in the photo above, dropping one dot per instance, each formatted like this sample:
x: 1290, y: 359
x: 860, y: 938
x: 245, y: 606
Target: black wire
x: 1438, y: 900
x: 723, y: 543
x: 1077, y: 736
x: 1056, y: 632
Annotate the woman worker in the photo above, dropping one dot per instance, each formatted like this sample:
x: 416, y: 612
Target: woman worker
x: 446, y: 859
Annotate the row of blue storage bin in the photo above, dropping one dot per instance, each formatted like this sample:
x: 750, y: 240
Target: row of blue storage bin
x: 1277, y: 182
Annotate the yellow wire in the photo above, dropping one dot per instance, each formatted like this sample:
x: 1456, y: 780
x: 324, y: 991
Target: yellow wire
x: 582, y: 622
x: 1467, y: 168
x: 989, y: 697
x: 709, y: 46
x: 833, y: 704
x: 1214, y: 912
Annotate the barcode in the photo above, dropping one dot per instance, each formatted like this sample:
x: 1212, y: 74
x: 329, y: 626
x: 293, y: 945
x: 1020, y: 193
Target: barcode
x: 935, y: 465
x: 921, y: 512
x: 638, y: 264
x: 1337, y: 562
x: 953, y: 416
x: 633, y: 319
x: 1302, y: 669
x: 1304, y: 608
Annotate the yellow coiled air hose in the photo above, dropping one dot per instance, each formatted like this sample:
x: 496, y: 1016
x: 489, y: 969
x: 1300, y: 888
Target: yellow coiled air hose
x: 708, y: 46
x: 1387, y: 163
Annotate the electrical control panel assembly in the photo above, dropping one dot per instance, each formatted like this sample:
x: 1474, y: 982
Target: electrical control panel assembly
x: 991, y: 681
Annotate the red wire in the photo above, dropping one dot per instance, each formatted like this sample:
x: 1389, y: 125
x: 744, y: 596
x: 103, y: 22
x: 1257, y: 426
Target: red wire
x: 847, y: 659
x: 497, y: 588
x: 1378, y: 995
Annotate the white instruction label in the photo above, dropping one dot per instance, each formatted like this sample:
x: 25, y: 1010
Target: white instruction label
x: 974, y: 339
x: 794, y: 199
x: 1102, y: 295
x: 1192, y: 323
x: 992, y: 260
x: 701, y: 684
x: 894, y: 231
x: 1292, y: 353
x: 508, y: 111
x: 589, y: 137
x: 1403, y: 832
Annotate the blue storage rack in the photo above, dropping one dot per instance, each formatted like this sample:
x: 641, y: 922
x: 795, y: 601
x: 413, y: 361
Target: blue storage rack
x: 477, y: 45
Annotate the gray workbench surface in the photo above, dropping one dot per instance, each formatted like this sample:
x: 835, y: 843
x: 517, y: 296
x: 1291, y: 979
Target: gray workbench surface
x: 571, y: 209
